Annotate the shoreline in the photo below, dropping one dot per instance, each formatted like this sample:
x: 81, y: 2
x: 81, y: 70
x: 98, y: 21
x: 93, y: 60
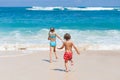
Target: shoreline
x: 17, y: 53
x: 83, y: 47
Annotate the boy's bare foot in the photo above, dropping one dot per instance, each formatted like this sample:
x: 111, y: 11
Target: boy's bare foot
x: 56, y: 57
x: 72, y: 64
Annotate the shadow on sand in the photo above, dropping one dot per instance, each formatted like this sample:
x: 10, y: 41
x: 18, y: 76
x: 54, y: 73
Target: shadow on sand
x: 59, y: 70
x: 46, y: 60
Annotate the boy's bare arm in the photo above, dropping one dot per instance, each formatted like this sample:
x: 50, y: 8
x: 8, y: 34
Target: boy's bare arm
x: 76, y: 49
x: 62, y: 46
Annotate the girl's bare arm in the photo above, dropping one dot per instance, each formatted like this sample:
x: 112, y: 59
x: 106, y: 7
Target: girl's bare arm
x: 59, y: 37
x: 49, y: 36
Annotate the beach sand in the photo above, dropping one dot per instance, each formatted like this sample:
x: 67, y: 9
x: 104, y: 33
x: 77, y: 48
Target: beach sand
x: 34, y: 65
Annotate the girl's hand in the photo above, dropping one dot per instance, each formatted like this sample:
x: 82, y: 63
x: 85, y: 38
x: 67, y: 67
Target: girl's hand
x: 48, y: 38
x: 58, y: 48
x: 62, y: 41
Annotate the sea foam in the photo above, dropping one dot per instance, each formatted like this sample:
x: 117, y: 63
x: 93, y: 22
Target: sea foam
x: 89, y: 39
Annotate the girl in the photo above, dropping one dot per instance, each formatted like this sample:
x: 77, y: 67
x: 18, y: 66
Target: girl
x: 52, y: 37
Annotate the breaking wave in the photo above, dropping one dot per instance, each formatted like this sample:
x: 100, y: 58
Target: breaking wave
x: 73, y: 8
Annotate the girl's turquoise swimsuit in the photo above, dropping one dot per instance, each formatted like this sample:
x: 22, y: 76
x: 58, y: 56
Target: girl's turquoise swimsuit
x: 52, y: 43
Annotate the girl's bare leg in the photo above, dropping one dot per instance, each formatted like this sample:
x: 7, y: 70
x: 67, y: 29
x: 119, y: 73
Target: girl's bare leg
x: 50, y: 55
x: 55, y: 53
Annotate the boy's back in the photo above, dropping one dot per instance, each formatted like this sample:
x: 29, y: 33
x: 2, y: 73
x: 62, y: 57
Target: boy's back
x: 68, y: 46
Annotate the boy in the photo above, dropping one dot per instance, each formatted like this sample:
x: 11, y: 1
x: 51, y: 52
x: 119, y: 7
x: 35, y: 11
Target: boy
x: 68, y: 50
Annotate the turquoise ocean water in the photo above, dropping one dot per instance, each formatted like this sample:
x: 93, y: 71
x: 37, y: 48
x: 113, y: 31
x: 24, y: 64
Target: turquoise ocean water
x: 98, y: 27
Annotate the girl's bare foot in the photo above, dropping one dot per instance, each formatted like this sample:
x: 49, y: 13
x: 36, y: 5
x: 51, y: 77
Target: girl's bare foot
x: 66, y: 70
x: 50, y: 61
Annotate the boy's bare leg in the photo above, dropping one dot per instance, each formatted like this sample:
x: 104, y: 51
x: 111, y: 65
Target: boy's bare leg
x: 66, y: 66
x: 50, y: 55
x: 71, y: 62
x: 55, y: 53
